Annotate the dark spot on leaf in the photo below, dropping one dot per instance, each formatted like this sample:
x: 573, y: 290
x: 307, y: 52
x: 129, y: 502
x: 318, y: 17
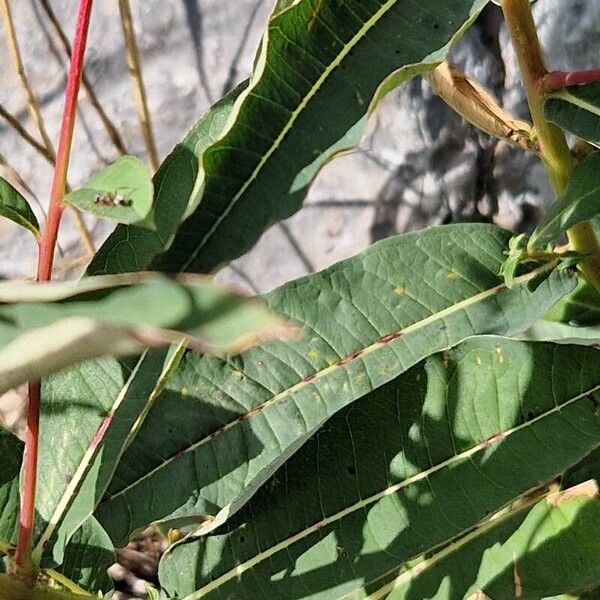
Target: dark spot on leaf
x: 242, y: 539
x: 436, y: 25
x: 351, y: 470
x: 530, y: 415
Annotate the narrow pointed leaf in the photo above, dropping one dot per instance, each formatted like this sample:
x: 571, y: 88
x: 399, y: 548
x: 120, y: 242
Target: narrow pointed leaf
x: 580, y: 202
x: 71, y: 486
x: 14, y: 207
x: 365, y: 320
x: 548, y: 550
x: 577, y: 110
x: 121, y: 192
x: 318, y: 69
x: 44, y: 328
x: 411, y: 467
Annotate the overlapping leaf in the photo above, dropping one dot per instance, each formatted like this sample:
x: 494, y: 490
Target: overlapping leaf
x: 365, y: 320
x: 320, y: 64
x: 44, y: 328
x: 411, y: 467
x: 576, y: 109
x: 538, y: 554
x: 73, y: 476
x: 580, y: 202
x: 177, y: 189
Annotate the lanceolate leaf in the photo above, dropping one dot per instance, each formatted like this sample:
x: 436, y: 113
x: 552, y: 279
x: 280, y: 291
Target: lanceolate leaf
x: 320, y: 64
x: 44, y: 328
x: 577, y: 109
x: 365, y: 321
x: 411, y: 467
x: 11, y: 452
x: 538, y: 553
x: 71, y: 485
x: 14, y: 207
x: 580, y: 202
x: 121, y: 192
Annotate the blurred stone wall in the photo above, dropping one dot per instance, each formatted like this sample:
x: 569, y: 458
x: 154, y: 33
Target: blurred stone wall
x: 418, y: 165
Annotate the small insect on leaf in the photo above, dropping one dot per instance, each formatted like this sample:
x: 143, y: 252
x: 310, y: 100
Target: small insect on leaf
x: 109, y: 199
x: 122, y: 192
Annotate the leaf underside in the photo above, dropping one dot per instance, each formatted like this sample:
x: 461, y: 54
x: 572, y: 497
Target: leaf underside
x: 364, y: 321
x: 577, y: 110
x: 414, y: 465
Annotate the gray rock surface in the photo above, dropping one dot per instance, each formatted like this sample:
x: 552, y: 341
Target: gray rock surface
x: 419, y: 164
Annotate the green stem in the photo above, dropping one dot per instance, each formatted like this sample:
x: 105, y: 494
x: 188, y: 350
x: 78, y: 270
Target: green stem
x: 554, y: 150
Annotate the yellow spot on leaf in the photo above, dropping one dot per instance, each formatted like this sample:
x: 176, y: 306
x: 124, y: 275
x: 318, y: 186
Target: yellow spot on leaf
x: 479, y: 361
x: 452, y: 275
x: 314, y: 354
x: 399, y: 291
x: 184, y: 391
x: 500, y: 355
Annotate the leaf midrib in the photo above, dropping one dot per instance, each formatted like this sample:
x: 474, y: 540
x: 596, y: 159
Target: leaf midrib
x: 369, y: 24
x: 363, y: 503
x: 341, y: 364
x: 576, y: 101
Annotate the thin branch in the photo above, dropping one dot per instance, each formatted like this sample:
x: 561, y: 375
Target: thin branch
x: 135, y: 71
x: 111, y: 129
x: 16, y: 178
x: 32, y: 105
x: 36, y: 115
x: 557, y: 80
x: 14, y: 123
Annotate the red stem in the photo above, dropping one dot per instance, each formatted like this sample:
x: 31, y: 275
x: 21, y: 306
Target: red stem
x: 557, y: 80
x: 22, y: 561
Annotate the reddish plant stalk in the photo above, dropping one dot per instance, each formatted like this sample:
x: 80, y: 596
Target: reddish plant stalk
x: 22, y: 562
x: 557, y: 80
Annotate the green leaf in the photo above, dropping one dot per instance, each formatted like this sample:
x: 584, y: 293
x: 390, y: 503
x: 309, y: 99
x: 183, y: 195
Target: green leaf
x: 561, y: 333
x: 411, y: 468
x: 88, y: 556
x: 177, y: 189
x: 580, y: 202
x: 73, y: 476
x: 577, y: 110
x: 11, y: 452
x: 318, y: 68
x: 365, y: 320
x: 581, y: 307
x: 534, y: 553
x: 121, y: 192
x: 44, y: 328
x: 14, y: 207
